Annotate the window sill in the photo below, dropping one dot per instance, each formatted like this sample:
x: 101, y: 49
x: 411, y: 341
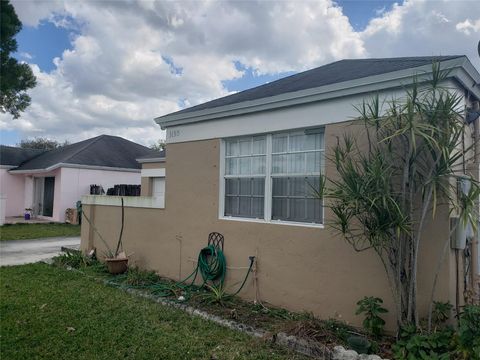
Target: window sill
x: 273, y: 222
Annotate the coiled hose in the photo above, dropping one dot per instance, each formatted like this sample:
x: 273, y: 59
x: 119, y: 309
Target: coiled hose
x: 212, y: 266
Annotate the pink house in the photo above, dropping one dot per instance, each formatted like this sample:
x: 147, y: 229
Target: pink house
x: 49, y: 182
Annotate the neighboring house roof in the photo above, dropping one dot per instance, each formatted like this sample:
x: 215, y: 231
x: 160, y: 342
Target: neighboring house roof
x: 156, y: 156
x: 103, y: 151
x: 343, y: 74
x: 14, y: 156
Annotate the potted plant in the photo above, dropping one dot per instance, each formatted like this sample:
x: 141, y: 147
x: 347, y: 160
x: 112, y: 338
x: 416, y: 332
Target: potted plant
x: 117, y: 261
x: 28, y: 214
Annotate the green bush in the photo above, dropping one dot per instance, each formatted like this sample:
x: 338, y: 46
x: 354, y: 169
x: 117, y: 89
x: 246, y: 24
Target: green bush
x: 441, y: 312
x: 74, y: 259
x: 216, y: 295
x: 469, y: 333
x: 372, y: 309
x: 140, y: 278
x: 414, y: 345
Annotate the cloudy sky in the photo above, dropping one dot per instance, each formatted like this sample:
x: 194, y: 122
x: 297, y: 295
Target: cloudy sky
x: 110, y: 67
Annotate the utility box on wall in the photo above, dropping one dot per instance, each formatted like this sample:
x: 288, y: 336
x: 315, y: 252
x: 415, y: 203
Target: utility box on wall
x: 462, y: 231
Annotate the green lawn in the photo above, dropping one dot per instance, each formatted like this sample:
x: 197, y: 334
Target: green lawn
x: 51, y: 313
x: 35, y: 231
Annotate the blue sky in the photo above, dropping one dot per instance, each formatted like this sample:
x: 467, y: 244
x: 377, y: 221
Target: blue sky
x: 115, y: 78
x: 43, y: 43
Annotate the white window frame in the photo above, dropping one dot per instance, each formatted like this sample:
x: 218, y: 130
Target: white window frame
x: 159, y: 200
x: 268, y: 185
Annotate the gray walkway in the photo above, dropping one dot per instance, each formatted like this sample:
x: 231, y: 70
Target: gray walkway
x: 17, y: 252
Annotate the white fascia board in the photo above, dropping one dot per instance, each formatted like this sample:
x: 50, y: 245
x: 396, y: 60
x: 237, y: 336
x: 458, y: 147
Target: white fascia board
x: 8, y: 167
x: 153, y: 172
x: 75, y: 166
x: 469, y: 78
x: 150, y: 160
x: 368, y: 84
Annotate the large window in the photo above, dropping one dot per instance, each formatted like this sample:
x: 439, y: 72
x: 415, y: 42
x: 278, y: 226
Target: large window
x: 274, y: 177
x: 245, y: 177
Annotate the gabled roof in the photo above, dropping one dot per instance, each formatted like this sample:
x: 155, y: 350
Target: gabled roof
x: 14, y: 156
x: 156, y: 156
x: 343, y: 74
x: 335, y: 72
x: 103, y: 151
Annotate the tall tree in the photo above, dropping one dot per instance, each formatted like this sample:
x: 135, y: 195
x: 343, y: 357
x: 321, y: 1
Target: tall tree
x: 41, y: 143
x: 159, y: 145
x: 384, y: 190
x: 15, y: 78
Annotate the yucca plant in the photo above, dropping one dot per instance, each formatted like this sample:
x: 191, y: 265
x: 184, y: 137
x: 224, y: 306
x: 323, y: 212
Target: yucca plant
x: 216, y: 294
x: 385, y: 188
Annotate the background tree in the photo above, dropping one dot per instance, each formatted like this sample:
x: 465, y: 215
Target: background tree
x: 384, y: 190
x: 159, y: 145
x: 41, y: 143
x: 15, y: 77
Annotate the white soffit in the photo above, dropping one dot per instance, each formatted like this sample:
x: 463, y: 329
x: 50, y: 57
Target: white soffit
x: 153, y: 172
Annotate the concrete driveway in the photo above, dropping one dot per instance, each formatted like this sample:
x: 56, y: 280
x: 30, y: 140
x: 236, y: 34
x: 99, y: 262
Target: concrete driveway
x: 17, y: 252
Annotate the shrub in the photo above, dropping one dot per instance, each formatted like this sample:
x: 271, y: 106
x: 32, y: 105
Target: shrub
x: 441, y: 312
x: 74, y: 259
x: 140, y: 278
x: 469, y: 332
x: 216, y: 295
x: 372, y: 309
x: 438, y: 345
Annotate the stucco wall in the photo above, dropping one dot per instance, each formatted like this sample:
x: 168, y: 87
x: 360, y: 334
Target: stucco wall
x: 29, y: 192
x: 70, y: 185
x: 76, y: 182
x: 146, y: 189
x: 299, y: 268
x: 12, y: 190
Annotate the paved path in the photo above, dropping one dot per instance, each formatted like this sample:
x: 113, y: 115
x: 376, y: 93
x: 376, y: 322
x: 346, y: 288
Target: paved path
x: 16, y: 252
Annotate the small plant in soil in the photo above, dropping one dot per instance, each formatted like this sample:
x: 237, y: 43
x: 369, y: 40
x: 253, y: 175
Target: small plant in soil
x: 441, y: 313
x: 216, y: 294
x: 74, y: 259
x: 116, y: 259
x: 371, y: 308
x: 137, y: 277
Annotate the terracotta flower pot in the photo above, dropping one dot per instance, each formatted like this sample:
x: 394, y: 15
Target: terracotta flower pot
x: 117, y: 265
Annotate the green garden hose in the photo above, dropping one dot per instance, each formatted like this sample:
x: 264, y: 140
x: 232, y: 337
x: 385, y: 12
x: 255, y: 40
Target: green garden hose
x: 212, y: 267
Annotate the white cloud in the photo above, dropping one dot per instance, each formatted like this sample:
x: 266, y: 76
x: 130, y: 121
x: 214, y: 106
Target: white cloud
x: 120, y: 72
x: 133, y: 61
x: 468, y: 26
x: 31, y: 12
x: 25, y: 55
x: 420, y: 27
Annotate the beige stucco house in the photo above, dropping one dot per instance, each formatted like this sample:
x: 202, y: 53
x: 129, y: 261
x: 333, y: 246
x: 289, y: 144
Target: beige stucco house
x: 237, y: 165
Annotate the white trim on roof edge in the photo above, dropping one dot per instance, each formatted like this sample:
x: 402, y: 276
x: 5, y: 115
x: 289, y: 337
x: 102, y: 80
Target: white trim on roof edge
x: 317, y: 114
x: 76, y: 166
x: 150, y: 160
x: 461, y: 69
x: 153, y: 172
